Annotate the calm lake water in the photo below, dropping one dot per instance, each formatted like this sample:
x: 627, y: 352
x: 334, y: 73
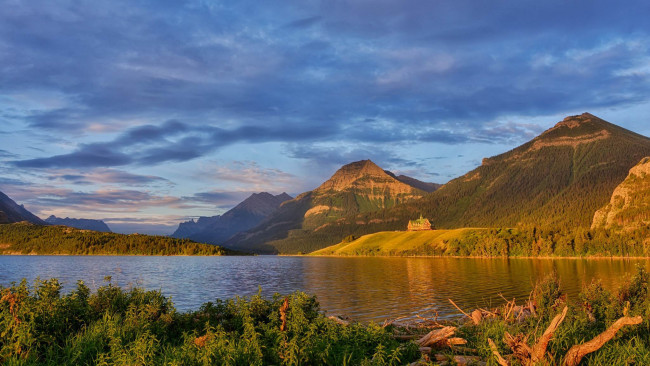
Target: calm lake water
x: 362, y: 288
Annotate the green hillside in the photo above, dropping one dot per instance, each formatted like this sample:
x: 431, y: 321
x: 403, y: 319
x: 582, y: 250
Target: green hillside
x: 24, y: 238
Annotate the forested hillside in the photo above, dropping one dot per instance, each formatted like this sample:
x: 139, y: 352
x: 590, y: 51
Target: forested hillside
x: 24, y: 238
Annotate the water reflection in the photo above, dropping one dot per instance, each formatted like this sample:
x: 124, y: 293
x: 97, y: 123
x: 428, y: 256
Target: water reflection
x: 362, y: 288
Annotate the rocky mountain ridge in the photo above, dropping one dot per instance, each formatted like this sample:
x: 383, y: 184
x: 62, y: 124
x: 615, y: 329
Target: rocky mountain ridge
x: 629, y: 207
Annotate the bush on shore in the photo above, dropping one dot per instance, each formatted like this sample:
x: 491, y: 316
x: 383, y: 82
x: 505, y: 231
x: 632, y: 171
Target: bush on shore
x: 115, y: 326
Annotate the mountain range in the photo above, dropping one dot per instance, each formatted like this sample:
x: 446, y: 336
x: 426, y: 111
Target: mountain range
x: 584, y: 172
x: 558, y: 179
x: 246, y: 215
x: 356, y: 188
x: 83, y: 224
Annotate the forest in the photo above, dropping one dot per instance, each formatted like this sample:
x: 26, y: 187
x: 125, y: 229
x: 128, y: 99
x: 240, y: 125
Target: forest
x: 25, y: 238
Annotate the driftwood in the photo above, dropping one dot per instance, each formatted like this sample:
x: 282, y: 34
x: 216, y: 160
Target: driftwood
x: 283, y: 314
x: 577, y: 352
x: 338, y: 319
x: 500, y: 360
x: 437, y: 338
x: 526, y: 354
x: 532, y: 355
x: 529, y: 356
x: 464, y: 313
x: 459, y: 360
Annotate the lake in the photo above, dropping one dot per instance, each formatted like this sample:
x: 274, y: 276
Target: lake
x: 364, y: 289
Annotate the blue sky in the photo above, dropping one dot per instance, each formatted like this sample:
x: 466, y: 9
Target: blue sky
x: 145, y: 113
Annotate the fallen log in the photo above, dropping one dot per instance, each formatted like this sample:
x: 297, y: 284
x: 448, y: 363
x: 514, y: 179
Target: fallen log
x: 577, y: 352
x: 438, y: 337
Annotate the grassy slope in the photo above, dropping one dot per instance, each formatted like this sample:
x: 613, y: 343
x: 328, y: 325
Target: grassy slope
x: 398, y: 243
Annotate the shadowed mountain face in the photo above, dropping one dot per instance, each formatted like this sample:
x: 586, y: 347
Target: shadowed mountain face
x: 629, y: 207
x: 558, y: 179
x: 83, y: 224
x: 247, y: 214
x: 188, y: 228
x: 11, y: 212
x: 423, y: 186
x: 359, y: 187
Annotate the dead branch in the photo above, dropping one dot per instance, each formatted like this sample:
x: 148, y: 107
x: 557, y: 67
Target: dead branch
x: 283, y: 314
x: 459, y: 309
x: 390, y: 322
x: 500, y: 360
x: 532, y: 355
x: 539, y: 350
x: 577, y: 352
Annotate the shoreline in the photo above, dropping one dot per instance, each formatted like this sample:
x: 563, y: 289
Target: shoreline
x: 463, y: 257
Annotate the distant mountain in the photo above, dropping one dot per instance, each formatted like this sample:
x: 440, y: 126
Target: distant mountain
x: 11, y: 212
x: 83, y: 224
x: 242, y: 217
x: 188, y: 228
x: 629, y: 207
x: 359, y: 187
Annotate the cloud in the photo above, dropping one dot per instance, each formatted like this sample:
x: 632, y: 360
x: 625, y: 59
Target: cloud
x: 426, y: 63
x: 248, y: 174
x: 7, y: 154
x: 105, y: 176
x: 219, y: 198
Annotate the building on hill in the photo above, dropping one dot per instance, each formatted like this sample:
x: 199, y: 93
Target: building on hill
x: 419, y: 224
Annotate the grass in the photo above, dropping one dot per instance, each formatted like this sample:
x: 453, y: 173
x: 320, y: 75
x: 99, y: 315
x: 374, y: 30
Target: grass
x: 398, y: 243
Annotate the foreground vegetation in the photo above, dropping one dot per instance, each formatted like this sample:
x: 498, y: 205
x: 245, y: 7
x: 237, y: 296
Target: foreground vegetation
x: 25, y: 238
x: 514, y: 242
x: 114, y: 326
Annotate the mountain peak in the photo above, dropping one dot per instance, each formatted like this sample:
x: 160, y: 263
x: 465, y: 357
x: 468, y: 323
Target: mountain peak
x: 352, y: 172
x: 576, y: 121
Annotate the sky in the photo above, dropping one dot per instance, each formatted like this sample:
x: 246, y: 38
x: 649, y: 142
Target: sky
x: 148, y: 113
